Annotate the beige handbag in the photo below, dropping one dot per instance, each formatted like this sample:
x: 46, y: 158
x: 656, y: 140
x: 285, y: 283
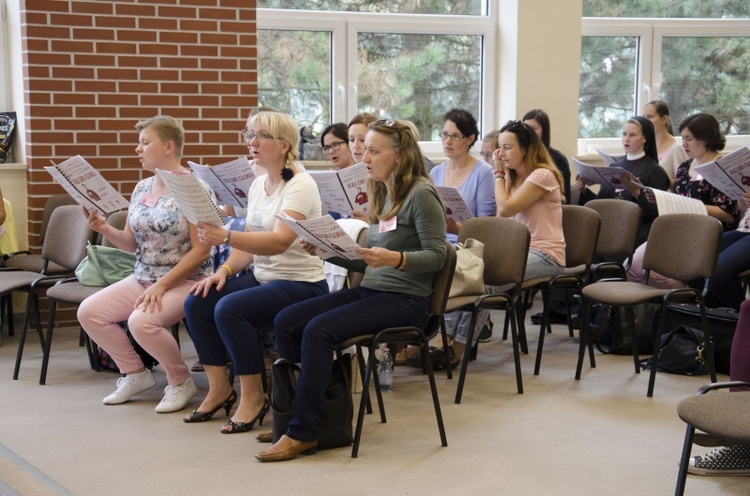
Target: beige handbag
x: 469, y: 276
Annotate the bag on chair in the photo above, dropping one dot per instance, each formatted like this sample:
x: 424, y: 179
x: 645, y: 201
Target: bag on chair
x: 104, y: 265
x: 338, y: 410
x: 468, y: 279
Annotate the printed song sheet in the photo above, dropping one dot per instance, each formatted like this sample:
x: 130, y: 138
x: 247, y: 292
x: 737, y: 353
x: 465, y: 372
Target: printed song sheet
x: 328, y: 237
x: 600, y: 175
x: 190, y: 196
x: 729, y: 174
x: 344, y: 190
x: 670, y: 203
x: 230, y: 181
x: 87, y: 186
x: 455, y: 207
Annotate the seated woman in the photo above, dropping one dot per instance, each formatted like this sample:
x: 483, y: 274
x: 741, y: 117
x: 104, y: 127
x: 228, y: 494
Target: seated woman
x: 335, y: 143
x: 169, y: 260
x: 528, y: 188
x: 538, y: 120
x: 406, y: 247
x: 473, y: 180
x: 358, y: 128
x: 642, y: 168
x: 224, y: 313
x: 670, y: 153
x: 702, y: 141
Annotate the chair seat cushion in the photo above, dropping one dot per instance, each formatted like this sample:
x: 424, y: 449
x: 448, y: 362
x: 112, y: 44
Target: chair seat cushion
x: 460, y: 302
x: 71, y: 292
x: 530, y: 283
x: 621, y: 292
x: 35, y: 263
x: 722, y: 414
x: 15, y: 279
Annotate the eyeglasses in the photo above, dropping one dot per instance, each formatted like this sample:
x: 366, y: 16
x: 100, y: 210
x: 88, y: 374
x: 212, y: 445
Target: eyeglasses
x: 486, y: 155
x: 454, y: 137
x: 512, y: 124
x: 248, y: 135
x: 333, y: 146
x: 386, y: 122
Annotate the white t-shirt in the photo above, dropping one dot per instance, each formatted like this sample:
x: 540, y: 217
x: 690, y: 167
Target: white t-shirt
x: 300, y: 194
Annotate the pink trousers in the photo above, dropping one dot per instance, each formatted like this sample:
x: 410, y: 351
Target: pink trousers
x: 101, y: 313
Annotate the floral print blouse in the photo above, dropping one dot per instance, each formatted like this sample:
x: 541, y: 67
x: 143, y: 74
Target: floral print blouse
x: 161, y: 233
x: 700, y: 189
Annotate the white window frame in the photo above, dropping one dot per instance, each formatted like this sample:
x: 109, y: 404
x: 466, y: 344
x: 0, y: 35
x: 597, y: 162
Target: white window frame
x: 651, y: 32
x: 344, y: 28
x: 5, y: 96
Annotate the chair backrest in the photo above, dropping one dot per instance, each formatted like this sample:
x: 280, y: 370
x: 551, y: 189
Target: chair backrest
x: 581, y: 230
x: 50, y: 205
x: 67, y: 234
x: 506, y: 247
x: 618, y: 234
x: 118, y: 221
x: 441, y: 287
x: 683, y: 246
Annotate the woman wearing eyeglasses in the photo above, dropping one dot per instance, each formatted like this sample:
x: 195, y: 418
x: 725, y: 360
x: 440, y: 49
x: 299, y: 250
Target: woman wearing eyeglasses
x: 335, y: 142
x: 224, y: 313
x: 528, y: 188
x: 406, y: 247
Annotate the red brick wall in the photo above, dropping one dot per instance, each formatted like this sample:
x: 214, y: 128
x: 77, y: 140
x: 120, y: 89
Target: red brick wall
x: 92, y: 69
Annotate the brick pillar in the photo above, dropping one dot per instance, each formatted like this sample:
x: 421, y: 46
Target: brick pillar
x: 92, y: 69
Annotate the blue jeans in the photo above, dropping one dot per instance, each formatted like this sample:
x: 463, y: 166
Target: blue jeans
x: 540, y: 264
x: 734, y: 257
x: 227, y: 321
x: 309, y: 331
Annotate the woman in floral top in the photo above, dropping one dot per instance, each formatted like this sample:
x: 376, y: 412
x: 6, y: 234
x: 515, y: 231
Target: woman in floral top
x: 169, y: 260
x: 702, y: 141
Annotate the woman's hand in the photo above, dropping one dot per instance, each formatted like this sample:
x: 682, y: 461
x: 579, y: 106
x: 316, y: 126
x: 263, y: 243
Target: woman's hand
x: 580, y: 183
x: 96, y: 222
x: 151, y: 298
x: 632, y: 183
x: 309, y: 248
x: 650, y: 196
x: 212, y: 235
x: 452, y: 226
x: 201, y: 288
x: 497, y: 161
x: 379, y: 257
x: 359, y: 215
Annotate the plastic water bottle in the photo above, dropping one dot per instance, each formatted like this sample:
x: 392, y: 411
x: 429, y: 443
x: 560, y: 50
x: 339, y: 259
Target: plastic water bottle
x: 385, y: 374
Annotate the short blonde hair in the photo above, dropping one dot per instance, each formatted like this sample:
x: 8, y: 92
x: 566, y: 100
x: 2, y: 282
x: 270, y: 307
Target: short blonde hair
x: 167, y: 128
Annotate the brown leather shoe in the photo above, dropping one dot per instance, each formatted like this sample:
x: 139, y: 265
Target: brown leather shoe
x: 265, y: 437
x: 283, y: 450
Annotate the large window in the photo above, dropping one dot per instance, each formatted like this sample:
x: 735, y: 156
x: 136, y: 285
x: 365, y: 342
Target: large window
x: 415, y: 63
x: 695, y: 65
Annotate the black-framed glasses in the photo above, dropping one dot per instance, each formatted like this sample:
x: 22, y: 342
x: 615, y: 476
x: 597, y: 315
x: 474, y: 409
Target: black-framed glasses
x: 248, y: 135
x: 333, y: 146
x: 455, y: 137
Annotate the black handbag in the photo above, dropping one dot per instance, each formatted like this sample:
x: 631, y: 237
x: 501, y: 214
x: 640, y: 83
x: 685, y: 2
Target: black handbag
x: 681, y: 352
x: 612, y: 329
x: 338, y: 411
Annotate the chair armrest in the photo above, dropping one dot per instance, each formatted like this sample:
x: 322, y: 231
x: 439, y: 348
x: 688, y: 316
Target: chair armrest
x: 721, y: 385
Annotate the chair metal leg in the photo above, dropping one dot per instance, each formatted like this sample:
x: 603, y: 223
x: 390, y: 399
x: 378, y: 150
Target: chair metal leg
x: 433, y: 390
x: 48, y: 342
x: 687, y: 447
x: 516, y: 353
x: 22, y: 340
x: 11, y: 323
x: 361, y: 366
x: 444, y: 334
x: 630, y: 318
x: 585, y: 339
x: 520, y: 319
x: 657, y: 344
x: 466, y: 358
x: 362, y: 402
x: 545, y: 325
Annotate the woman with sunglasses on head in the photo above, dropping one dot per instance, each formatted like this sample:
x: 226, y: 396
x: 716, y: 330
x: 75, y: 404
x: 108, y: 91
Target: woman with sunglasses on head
x: 405, y: 249
x: 472, y: 178
x: 642, y: 169
x: 225, y: 313
x: 538, y: 120
x: 528, y: 188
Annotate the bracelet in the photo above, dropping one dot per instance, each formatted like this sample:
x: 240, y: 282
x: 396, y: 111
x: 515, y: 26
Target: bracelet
x: 400, y: 260
x: 499, y: 174
x: 226, y: 240
x: 499, y: 178
x: 402, y: 263
x: 228, y: 269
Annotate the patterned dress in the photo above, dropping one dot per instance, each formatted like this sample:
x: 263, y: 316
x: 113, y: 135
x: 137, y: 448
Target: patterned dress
x: 700, y: 189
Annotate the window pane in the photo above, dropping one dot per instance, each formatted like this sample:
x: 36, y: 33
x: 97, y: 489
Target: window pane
x: 294, y: 74
x: 466, y: 7
x: 418, y: 77
x: 708, y: 74
x: 713, y: 9
x: 607, y: 84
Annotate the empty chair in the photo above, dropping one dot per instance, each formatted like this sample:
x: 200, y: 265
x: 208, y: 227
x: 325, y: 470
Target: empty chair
x: 65, y: 245
x: 506, y: 247
x: 680, y: 246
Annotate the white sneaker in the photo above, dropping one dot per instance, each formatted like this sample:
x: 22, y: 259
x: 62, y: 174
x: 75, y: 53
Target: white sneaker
x: 176, y: 397
x: 129, y: 386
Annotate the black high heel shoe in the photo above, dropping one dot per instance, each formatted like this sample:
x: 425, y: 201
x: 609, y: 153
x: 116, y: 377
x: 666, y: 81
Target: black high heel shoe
x: 237, y: 427
x: 197, y: 416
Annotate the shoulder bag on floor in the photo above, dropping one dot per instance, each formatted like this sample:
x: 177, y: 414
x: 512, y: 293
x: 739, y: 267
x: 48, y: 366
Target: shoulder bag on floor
x: 468, y: 279
x: 682, y: 352
x: 338, y: 410
x: 104, y: 265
